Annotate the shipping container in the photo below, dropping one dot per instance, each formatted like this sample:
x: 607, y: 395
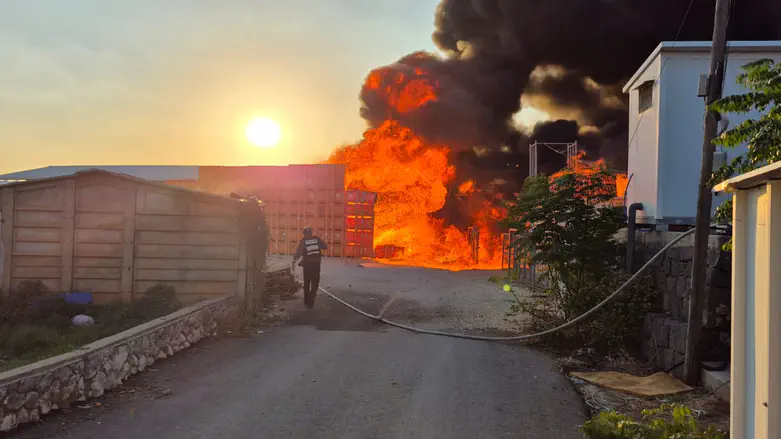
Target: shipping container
x: 388, y: 252
x: 294, y: 196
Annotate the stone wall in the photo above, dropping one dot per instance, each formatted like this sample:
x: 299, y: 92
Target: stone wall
x: 665, y: 333
x: 29, y: 392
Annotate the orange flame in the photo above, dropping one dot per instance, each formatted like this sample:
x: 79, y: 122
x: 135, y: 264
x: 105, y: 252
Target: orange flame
x: 400, y: 91
x: 612, y: 182
x: 411, y: 179
x: 466, y: 188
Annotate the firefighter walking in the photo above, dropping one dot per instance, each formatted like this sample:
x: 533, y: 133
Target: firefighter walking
x: 310, y: 250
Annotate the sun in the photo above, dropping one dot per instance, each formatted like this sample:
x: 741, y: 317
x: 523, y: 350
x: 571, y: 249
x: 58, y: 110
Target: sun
x: 263, y: 132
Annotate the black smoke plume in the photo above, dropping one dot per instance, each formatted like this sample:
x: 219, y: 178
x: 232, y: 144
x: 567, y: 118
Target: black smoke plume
x: 566, y: 57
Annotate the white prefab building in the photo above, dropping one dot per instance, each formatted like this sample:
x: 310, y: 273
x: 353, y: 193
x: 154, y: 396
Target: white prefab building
x: 666, y: 125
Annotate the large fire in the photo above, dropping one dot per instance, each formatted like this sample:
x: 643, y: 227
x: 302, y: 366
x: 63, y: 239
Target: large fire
x: 411, y: 179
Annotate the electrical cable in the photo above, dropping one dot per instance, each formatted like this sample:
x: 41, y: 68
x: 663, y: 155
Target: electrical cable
x: 561, y: 327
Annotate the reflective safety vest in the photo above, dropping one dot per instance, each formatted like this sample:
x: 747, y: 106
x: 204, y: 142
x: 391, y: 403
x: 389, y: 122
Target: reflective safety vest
x: 312, y: 247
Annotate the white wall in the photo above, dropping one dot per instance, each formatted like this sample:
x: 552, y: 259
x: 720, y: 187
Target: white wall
x: 672, y: 194
x: 642, y: 157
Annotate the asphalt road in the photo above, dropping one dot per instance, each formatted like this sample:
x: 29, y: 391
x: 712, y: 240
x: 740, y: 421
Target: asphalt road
x: 330, y: 373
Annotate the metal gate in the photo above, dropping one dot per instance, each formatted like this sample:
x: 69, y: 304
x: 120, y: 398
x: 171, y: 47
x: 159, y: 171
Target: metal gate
x: 517, y: 268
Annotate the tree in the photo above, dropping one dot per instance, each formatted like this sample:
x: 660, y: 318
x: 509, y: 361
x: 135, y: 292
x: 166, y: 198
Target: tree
x: 763, y: 135
x: 569, y: 227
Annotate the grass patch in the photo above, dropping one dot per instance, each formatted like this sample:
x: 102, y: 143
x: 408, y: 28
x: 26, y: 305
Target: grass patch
x: 36, y: 324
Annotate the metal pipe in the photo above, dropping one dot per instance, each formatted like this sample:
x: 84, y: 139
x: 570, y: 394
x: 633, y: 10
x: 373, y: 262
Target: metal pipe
x: 631, y: 229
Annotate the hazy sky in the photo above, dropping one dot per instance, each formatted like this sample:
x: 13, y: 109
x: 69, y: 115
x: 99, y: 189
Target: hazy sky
x: 175, y: 81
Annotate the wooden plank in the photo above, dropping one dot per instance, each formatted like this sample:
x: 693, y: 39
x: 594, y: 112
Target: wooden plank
x: 37, y: 261
x: 38, y: 219
x: 187, y: 287
x: 241, y: 276
x: 94, y: 220
x: 102, y: 195
x: 104, y: 298
x: 97, y: 272
x: 6, y: 238
x: 187, y: 238
x: 98, y: 236
x: 98, y: 250
x: 128, y: 249
x: 97, y: 262
x: 37, y: 272
x: 68, y: 226
x: 98, y: 285
x: 37, y: 248
x: 44, y: 196
x: 188, y: 264
x: 185, y: 223
x: 186, y: 251
x: 184, y: 275
x: 51, y: 284
x: 37, y: 234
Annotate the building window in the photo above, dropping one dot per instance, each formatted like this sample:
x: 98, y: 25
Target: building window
x: 646, y: 96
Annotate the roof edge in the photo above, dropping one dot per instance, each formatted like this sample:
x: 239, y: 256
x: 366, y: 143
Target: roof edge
x: 700, y: 46
x: 127, y: 177
x: 750, y: 179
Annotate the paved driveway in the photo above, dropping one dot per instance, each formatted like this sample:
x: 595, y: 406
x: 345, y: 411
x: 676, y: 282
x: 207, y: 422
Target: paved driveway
x: 330, y: 373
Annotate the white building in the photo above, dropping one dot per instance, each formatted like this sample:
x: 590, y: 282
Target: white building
x: 666, y: 125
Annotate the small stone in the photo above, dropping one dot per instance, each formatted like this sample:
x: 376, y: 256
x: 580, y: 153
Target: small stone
x: 9, y: 422
x: 98, y: 385
x: 133, y: 360
x: 169, y: 350
x: 187, y: 345
x: 14, y: 401
x: 124, y: 372
x: 111, y: 380
x: 45, y: 405
x: 27, y: 384
x: 44, y: 382
x: 142, y: 362
x: 31, y: 400
x: 120, y: 357
x: 161, y: 355
x: 22, y: 416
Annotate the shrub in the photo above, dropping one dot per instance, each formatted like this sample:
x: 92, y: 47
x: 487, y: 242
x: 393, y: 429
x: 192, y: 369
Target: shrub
x: 568, y: 229
x: 668, y: 422
x: 26, y: 339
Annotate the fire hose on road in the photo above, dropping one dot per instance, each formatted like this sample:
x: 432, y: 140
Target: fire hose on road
x: 561, y: 327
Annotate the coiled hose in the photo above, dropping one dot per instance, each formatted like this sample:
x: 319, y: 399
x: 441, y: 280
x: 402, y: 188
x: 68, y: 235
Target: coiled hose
x: 561, y: 327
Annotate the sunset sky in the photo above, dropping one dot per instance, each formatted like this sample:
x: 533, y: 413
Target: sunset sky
x: 97, y: 82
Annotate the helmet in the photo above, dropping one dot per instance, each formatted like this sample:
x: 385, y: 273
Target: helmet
x: 308, y: 231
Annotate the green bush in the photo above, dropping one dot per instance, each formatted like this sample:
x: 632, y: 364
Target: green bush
x: 666, y: 422
x: 568, y: 229
x: 35, y: 324
x: 24, y: 339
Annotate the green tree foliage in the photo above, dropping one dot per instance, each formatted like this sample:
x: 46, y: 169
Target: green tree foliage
x: 569, y: 231
x: 666, y: 422
x: 763, y: 135
x: 569, y: 228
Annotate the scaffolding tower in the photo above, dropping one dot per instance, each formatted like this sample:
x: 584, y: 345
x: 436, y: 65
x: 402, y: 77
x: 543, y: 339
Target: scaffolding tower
x: 570, y: 150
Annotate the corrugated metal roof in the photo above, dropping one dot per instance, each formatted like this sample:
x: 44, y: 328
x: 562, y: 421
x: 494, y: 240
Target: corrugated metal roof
x: 153, y: 173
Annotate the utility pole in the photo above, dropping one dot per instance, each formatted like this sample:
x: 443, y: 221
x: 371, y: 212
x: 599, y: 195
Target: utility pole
x: 705, y: 198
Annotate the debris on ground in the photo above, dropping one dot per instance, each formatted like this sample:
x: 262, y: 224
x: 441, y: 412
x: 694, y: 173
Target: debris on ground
x: 706, y: 407
x: 658, y: 384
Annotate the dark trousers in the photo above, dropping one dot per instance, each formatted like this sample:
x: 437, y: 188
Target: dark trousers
x: 311, y: 280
